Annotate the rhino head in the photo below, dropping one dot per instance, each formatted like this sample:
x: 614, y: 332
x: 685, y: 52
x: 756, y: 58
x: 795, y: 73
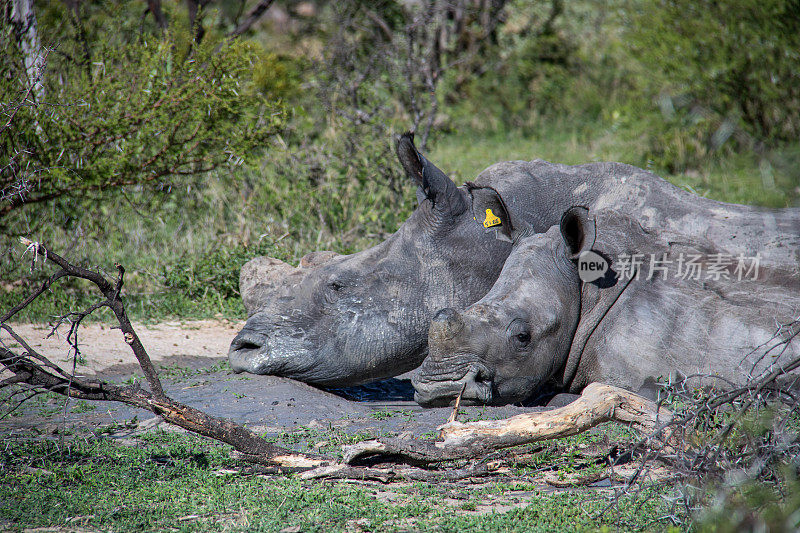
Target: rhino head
x: 512, y: 341
x: 345, y: 320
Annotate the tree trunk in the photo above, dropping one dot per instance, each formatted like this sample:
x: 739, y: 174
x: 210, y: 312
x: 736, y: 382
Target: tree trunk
x: 23, y: 22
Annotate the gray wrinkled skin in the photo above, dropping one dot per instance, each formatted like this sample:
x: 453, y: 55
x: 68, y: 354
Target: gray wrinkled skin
x: 364, y: 316
x: 541, y: 327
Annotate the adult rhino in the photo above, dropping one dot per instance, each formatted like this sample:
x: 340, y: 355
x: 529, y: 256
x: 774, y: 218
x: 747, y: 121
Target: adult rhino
x: 541, y: 327
x: 345, y: 320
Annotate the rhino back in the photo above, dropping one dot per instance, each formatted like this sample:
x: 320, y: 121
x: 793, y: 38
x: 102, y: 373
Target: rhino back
x: 541, y: 191
x: 654, y: 331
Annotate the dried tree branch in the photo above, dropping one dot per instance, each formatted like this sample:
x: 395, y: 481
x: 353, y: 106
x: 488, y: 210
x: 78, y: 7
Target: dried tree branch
x: 111, y: 292
x: 30, y: 370
x: 252, y: 17
x: 242, y: 439
x: 599, y: 403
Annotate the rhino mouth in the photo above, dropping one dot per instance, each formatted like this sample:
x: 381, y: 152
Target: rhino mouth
x: 248, y: 353
x: 258, y: 353
x: 475, y: 387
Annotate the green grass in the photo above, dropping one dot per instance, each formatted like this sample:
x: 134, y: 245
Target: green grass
x: 769, y: 180
x: 169, y: 481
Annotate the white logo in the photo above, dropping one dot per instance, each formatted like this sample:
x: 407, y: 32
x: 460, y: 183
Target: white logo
x: 591, y: 266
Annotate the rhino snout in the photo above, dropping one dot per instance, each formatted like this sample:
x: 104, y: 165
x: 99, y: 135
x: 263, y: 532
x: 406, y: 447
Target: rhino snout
x: 248, y: 353
x: 475, y: 388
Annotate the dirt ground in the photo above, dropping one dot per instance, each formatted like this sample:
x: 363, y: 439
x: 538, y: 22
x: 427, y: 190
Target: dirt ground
x: 191, y: 358
x: 104, y: 352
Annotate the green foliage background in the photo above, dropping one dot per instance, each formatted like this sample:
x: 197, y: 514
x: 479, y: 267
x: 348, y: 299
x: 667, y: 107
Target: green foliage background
x: 144, y: 111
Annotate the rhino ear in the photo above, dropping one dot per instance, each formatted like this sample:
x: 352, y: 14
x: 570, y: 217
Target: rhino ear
x: 409, y: 157
x: 489, y: 210
x: 578, y: 230
x: 434, y: 185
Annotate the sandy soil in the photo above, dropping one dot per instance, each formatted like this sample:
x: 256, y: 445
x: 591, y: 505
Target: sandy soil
x: 104, y: 351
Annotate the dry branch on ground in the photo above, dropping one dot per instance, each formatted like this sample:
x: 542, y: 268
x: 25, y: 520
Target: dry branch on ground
x: 599, y: 403
x: 32, y: 370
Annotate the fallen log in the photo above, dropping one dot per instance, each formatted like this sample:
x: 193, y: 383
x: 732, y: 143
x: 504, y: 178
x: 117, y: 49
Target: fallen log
x: 598, y: 403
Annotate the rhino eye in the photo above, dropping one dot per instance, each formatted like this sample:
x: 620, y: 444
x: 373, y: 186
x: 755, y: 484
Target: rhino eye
x: 519, y: 334
x: 336, y: 285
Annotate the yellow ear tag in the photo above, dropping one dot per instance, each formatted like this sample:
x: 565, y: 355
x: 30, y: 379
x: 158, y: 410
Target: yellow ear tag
x: 491, y: 220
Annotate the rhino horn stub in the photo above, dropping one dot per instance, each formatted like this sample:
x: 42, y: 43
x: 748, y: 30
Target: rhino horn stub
x: 446, y: 324
x: 258, y: 278
x: 315, y: 259
x: 262, y: 276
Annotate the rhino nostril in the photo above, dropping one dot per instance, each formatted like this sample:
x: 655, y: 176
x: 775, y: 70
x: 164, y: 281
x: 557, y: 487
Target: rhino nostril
x: 247, y: 346
x: 246, y: 343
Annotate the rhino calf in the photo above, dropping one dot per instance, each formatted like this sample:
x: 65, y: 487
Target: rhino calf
x: 542, y: 325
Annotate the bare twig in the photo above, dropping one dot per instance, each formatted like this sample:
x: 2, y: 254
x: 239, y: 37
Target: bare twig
x: 252, y: 17
x: 37, y: 373
x: 113, y: 301
x: 454, y: 414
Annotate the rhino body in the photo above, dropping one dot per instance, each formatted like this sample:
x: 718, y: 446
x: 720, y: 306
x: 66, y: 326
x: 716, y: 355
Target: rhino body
x: 541, y: 327
x: 345, y: 320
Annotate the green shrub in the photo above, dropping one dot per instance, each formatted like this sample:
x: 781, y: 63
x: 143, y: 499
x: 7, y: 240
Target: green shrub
x: 150, y: 110
x: 215, y: 272
x: 718, y: 74
x: 529, y: 84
